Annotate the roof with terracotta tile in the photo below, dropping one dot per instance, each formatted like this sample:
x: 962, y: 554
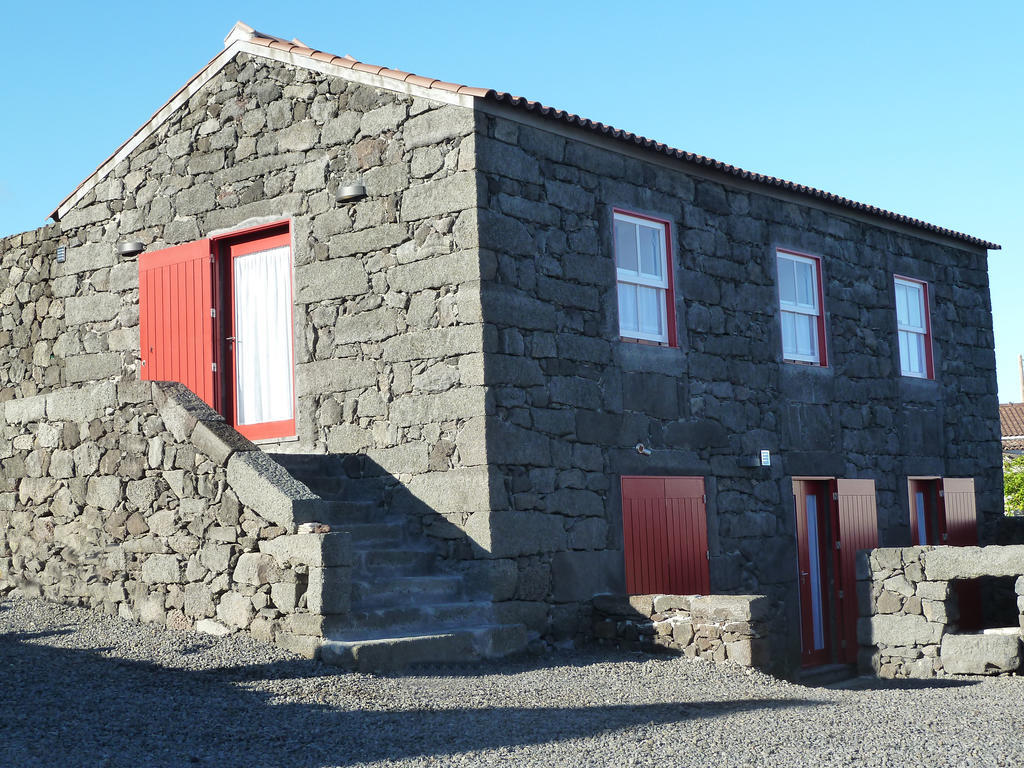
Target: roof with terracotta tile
x: 242, y: 31
x: 1011, y: 424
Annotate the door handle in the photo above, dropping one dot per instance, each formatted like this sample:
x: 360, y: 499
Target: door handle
x: 230, y: 338
x: 805, y: 573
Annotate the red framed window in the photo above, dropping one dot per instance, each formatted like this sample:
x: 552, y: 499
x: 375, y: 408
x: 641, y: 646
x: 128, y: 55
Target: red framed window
x: 914, y: 328
x: 801, y: 308
x: 643, y: 263
x: 216, y: 315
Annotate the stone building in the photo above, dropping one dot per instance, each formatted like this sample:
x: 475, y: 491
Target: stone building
x: 517, y: 358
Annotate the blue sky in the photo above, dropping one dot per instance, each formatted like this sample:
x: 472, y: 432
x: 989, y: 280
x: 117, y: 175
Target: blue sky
x: 911, y: 106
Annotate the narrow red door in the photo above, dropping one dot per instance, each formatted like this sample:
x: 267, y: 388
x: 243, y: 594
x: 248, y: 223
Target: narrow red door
x: 958, y: 520
x: 812, y: 504
x: 857, y: 529
x: 665, y: 538
x: 176, y: 324
x: 259, y: 335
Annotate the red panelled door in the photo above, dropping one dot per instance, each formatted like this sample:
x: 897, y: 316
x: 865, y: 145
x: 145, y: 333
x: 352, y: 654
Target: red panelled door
x: 665, y: 535
x: 834, y: 519
x: 958, y: 521
x: 185, y: 337
x: 176, y: 323
x: 858, y: 529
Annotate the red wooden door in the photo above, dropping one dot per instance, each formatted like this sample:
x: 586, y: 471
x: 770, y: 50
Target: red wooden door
x: 176, y: 323
x: 958, y: 520
x: 858, y: 529
x: 259, y: 334
x: 665, y: 537
x: 813, y: 526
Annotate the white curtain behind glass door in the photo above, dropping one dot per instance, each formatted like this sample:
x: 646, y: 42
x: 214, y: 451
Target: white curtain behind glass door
x: 263, y: 336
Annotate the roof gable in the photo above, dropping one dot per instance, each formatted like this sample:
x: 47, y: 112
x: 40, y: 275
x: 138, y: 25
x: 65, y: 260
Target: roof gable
x: 243, y: 38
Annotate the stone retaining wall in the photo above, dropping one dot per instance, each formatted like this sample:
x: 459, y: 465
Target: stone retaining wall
x: 909, y: 611
x: 713, y: 627
x: 136, y: 499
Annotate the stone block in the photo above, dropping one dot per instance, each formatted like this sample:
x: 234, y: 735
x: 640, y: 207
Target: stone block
x: 219, y: 441
x: 886, y: 559
x: 316, y: 550
x: 578, y: 576
x: 100, y: 365
x: 256, y: 569
x: 211, y: 627
x: 198, y: 601
x: 324, y: 280
x: 104, y: 492
x: 25, y: 410
x: 264, y: 485
x: 369, y: 240
x: 443, y: 270
x: 181, y: 409
x: 141, y: 493
x: 333, y: 376
x: 946, y: 563
x: 933, y: 590
x: 448, y: 195
x: 306, y: 646
x: 985, y: 654
x: 505, y: 533
x: 437, y: 126
x: 1018, y: 585
x: 235, y: 610
x: 899, y: 585
x: 216, y: 557
x: 161, y: 569
x: 329, y: 590
x: 900, y: 630
x: 935, y: 611
x: 722, y: 608
x: 682, y: 631
x: 80, y: 405
x: 284, y: 596
x: 666, y: 603
x: 94, y: 308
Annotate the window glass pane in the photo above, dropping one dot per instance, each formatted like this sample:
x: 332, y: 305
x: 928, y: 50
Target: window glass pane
x: 914, y: 296
x: 901, y: 303
x: 651, y: 258
x: 805, y: 293
x: 627, y: 309
x: 806, y: 335
x: 912, y: 357
x: 788, y: 333
x: 650, y: 303
x: 625, y: 245
x: 787, y: 280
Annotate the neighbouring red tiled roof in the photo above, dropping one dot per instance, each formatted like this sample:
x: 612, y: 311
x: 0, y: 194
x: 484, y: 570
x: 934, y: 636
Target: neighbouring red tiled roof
x: 295, y: 47
x: 1011, y: 424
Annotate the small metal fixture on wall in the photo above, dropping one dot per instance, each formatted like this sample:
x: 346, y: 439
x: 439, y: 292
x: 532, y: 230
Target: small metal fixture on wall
x: 130, y: 248
x: 349, y: 193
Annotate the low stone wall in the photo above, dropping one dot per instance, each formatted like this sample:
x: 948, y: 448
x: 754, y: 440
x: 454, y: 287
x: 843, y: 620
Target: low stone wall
x: 909, y: 611
x: 135, y: 498
x: 713, y: 627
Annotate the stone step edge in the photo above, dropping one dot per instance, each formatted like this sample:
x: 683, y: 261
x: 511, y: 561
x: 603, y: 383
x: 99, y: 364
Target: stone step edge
x: 466, y: 644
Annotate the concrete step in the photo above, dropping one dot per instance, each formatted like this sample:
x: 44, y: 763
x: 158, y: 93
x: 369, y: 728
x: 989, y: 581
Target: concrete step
x: 385, y: 533
x: 341, y: 513
x: 394, y: 561
x: 402, y: 618
x: 369, y: 653
x: 404, y: 590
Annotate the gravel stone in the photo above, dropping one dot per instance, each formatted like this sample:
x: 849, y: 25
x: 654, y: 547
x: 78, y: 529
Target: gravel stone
x: 107, y: 692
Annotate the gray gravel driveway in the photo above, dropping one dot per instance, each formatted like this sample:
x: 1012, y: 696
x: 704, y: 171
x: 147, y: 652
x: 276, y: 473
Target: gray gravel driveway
x: 79, y: 689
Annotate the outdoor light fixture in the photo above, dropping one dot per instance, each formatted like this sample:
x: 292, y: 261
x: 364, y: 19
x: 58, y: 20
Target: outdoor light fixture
x: 642, y: 449
x: 130, y: 248
x: 349, y: 193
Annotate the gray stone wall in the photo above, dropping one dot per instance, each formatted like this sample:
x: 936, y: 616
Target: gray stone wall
x: 716, y: 628
x: 387, y: 314
x: 909, y: 611
x: 571, y: 400
x: 137, y: 500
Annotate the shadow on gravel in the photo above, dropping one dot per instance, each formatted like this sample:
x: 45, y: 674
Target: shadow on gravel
x: 878, y: 684
x: 61, y: 707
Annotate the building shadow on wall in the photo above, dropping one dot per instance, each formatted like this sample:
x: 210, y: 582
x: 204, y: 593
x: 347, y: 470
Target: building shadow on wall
x: 67, y: 706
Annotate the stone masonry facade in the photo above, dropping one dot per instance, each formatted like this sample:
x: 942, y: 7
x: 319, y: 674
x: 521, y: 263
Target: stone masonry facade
x: 455, y: 331
x: 910, y: 612
x: 135, y: 499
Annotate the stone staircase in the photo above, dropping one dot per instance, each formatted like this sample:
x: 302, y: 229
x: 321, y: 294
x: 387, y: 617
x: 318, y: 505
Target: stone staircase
x: 406, y: 608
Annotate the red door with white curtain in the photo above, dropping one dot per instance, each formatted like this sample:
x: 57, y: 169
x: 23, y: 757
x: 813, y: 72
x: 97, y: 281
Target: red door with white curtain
x: 258, y: 339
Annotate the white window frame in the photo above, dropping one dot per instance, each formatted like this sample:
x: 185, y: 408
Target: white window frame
x: 806, y: 310
x: 662, y: 285
x: 922, y: 331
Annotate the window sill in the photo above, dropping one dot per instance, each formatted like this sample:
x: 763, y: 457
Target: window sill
x: 645, y: 342
x: 805, y: 363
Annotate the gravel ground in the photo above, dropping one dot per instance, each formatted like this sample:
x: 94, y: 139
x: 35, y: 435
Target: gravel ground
x: 80, y: 689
